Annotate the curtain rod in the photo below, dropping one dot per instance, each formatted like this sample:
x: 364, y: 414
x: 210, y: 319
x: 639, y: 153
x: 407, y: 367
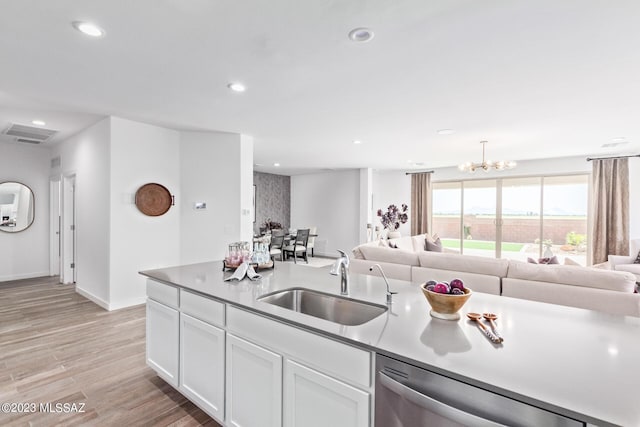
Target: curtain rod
x: 613, y: 157
x: 417, y: 172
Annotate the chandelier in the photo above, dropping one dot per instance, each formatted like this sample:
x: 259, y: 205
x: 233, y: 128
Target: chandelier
x: 486, y: 164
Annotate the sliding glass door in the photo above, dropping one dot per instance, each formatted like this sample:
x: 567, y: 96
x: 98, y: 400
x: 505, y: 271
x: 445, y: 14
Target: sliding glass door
x: 480, y: 217
x: 514, y: 218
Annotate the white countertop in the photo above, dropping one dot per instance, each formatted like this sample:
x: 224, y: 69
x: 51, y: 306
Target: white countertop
x: 576, y: 362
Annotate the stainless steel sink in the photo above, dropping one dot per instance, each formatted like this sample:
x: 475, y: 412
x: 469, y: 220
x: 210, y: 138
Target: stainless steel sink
x: 333, y: 308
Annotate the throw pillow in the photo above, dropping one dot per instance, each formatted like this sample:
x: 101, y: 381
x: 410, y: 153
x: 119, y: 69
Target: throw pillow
x: 569, y: 261
x: 544, y: 261
x: 435, y: 246
x: 637, y: 261
x: 383, y: 243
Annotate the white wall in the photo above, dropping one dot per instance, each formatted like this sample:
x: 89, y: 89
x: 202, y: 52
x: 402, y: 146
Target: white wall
x: 141, y: 154
x: 561, y: 165
x: 391, y: 188
x: 87, y: 156
x: 634, y: 198
x: 25, y: 254
x: 331, y: 202
x: 246, y: 188
x: 395, y: 186
x: 210, y: 164
x: 366, y: 200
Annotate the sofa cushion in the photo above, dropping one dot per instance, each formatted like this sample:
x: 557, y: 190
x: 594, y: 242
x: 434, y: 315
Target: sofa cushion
x: 631, y: 268
x: 583, y: 297
x: 395, y: 256
x: 418, y: 242
x: 572, y: 275
x: 435, y: 246
x: 404, y: 243
x: 467, y: 263
x: 357, y: 253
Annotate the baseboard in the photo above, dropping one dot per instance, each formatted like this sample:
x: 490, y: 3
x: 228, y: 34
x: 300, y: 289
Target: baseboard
x: 128, y: 303
x: 88, y: 295
x: 24, y: 276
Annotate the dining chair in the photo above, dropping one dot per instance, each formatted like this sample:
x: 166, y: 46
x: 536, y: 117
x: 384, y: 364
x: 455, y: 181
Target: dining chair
x: 276, y: 246
x: 299, y: 246
x: 312, y: 239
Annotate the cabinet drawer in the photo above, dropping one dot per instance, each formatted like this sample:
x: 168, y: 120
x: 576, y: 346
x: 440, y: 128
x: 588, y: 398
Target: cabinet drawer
x: 326, y: 355
x: 165, y: 294
x: 202, y: 308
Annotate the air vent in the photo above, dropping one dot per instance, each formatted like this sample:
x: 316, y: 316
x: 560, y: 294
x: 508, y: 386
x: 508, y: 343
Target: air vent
x: 29, y: 134
x: 29, y: 141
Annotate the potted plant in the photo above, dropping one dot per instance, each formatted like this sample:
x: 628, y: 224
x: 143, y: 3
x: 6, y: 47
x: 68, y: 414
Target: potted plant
x: 392, y: 218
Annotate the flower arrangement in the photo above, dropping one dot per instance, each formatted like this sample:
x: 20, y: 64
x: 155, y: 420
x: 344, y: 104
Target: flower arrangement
x: 393, y: 217
x: 271, y: 225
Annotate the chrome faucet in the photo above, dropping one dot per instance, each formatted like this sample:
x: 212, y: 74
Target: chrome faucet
x: 389, y: 293
x: 342, y: 265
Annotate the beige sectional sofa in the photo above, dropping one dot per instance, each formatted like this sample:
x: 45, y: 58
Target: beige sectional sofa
x: 583, y: 287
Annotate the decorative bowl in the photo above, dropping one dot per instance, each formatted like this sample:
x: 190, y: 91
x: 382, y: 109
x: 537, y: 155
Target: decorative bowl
x: 445, y: 306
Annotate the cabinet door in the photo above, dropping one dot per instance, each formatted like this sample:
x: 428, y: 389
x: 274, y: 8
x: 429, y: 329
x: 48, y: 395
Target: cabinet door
x: 162, y: 340
x: 312, y: 399
x: 254, y: 385
x: 202, y: 364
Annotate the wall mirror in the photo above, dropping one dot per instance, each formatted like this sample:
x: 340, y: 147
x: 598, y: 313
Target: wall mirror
x: 17, y: 206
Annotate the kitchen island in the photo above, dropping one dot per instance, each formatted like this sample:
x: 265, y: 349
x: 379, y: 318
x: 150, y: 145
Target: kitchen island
x: 578, y: 363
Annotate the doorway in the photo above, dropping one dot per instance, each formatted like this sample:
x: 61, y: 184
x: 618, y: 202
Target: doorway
x: 68, y: 233
x: 55, y: 243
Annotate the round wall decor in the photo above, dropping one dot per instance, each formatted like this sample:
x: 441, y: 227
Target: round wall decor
x: 153, y: 199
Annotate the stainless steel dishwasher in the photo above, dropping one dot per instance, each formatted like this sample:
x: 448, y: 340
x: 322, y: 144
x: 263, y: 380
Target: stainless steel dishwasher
x: 408, y: 396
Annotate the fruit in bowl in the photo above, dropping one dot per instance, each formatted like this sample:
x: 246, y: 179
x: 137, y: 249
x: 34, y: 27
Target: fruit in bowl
x: 446, y: 298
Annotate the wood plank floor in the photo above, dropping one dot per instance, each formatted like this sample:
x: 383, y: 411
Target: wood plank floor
x: 58, y: 347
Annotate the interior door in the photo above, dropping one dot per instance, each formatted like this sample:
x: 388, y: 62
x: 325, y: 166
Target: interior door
x: 68, y: 229
x: 54, y: 227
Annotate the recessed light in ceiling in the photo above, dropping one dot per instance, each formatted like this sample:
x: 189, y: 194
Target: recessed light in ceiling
x: 361, y: 34
x: 357, y: 141
x: 38, y: 122
x: 276, y: 164
x: 88, y: 28
x: 237, y: 87
x: 619, y: 139
x: 445, y: 131
x: 257, y: 164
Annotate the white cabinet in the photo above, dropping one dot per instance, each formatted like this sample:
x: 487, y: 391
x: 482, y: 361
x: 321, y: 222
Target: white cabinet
x: 162, y: 340
x: 202, y: 353
x: 312, y: 399
x: 254, y: 385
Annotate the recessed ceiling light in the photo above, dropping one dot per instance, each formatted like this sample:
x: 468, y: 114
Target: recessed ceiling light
x: 361, y: 34
x: 237, y: 87
x: 38, y: 122
x: 88, y: 28
x: 357, y: 141
x: 257, y: 164
x: 445, y: 131
x: 619, y: 139
x: 276, y: 164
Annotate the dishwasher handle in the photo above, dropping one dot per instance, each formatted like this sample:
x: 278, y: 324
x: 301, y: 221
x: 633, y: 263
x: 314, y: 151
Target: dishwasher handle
x: 433, y: 405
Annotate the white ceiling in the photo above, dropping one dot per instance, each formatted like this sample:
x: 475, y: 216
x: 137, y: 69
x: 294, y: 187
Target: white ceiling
x: 543, y: 78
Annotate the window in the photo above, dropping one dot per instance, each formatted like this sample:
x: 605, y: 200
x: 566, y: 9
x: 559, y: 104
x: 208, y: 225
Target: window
x: 514, y: 218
